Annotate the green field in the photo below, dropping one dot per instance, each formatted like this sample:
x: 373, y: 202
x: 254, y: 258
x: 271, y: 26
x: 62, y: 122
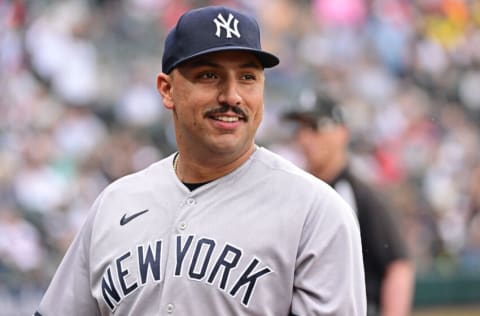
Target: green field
x: 448, y: 311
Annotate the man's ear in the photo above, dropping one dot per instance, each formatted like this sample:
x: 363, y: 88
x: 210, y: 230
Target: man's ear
x: 164, y: 87
x: 345, y: 134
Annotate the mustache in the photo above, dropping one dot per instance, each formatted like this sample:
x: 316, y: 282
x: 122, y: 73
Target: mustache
x: 224, y: 108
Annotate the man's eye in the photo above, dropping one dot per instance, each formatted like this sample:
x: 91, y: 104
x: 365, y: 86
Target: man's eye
x: 208, y: 75
x: 248, y: 77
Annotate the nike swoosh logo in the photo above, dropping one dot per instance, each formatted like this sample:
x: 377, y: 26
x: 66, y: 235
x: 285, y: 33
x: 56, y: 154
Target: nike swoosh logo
x: 125, y: 219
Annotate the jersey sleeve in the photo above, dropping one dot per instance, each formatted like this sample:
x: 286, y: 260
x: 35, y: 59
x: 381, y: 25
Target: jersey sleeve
x: 329, y: 275
x: 69, y: 292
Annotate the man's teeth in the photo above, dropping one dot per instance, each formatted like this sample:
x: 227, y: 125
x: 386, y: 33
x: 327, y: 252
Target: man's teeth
x: 227, y: 118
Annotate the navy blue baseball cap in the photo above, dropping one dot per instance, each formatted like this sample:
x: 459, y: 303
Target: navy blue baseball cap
x: 316, y: 109
x: 213, y: 29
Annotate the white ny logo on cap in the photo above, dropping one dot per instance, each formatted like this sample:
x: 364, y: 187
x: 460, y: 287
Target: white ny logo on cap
x: 220, y: 22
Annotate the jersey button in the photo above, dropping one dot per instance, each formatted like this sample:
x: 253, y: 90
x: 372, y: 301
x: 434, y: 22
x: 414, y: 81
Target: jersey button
x: 182, y: 226
x: 170, y: 308
x: 191, y: 202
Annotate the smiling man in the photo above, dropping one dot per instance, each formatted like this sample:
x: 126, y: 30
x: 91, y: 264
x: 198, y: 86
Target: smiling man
x: 217, y: 102
x: 221, y: 227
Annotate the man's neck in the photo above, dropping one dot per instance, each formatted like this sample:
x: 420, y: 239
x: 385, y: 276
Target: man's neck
x: 200, y: 171
x: 330, y: 172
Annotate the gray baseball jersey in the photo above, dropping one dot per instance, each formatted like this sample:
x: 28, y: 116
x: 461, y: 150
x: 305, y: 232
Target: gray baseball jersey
x: 266, y: 239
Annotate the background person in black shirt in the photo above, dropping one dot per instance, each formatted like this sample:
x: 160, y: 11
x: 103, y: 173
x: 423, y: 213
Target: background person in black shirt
x: 322, y: 137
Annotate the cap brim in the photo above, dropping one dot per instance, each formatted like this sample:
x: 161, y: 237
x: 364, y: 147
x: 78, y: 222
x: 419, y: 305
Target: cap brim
x: 311, y: 117
x: 267, y: 60
x: 297, y: 115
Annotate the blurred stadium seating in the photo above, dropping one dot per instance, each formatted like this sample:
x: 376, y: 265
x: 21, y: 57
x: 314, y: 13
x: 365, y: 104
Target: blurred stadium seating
x: 79, y: 108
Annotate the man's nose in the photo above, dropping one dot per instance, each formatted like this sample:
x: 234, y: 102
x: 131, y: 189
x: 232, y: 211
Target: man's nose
x: 229, y: 93
x: 303, y: 135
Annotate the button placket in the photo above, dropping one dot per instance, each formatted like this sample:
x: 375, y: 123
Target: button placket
x: 188, y: 206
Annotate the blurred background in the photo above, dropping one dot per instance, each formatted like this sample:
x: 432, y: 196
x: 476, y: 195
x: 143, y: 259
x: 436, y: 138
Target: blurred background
x: 79, y: 108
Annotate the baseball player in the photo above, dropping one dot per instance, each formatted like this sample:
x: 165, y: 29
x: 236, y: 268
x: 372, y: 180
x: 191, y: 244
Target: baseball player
x: 222, y: 227
x: 323, y: 138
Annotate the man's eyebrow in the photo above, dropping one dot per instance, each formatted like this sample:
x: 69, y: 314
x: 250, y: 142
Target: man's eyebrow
x: 251, y: 64
x: 201, y: 62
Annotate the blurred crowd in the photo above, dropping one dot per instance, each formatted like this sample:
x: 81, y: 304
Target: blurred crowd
x: 79, y: 109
